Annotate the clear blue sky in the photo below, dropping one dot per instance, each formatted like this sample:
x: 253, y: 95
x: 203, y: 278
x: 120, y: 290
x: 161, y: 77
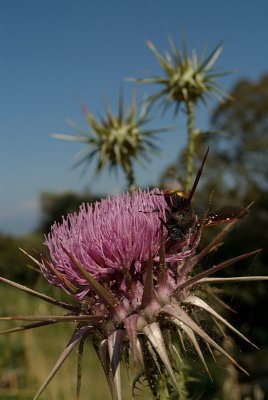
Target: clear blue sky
x: 56, y: 54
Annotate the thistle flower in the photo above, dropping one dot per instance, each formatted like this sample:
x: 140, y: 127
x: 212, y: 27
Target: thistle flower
x: 186, y: 80
x: 116, y: 141
x: 135, y: 290
x: 113, y: 241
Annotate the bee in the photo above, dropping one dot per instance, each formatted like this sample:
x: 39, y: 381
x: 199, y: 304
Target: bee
x: 181, y: 219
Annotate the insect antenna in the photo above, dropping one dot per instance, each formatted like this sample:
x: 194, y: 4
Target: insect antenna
x: 197, y: 178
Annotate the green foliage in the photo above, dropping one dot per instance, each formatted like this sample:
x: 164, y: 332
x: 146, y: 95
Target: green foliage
x: 13, y: 262
x: 243, y: 145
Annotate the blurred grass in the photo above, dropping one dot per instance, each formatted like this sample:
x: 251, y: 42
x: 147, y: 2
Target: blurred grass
x: 26, y: 358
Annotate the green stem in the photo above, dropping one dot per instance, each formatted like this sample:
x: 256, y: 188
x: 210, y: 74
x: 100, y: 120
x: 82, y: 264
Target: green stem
x: 190, y: 146
x: 162, y: 390
x: 128, y: 169
x: 165, y: 389
x: 158, y: 379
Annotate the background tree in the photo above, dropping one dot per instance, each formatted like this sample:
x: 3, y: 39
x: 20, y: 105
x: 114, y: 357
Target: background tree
x: 240, y: 150
x: 13, y: 262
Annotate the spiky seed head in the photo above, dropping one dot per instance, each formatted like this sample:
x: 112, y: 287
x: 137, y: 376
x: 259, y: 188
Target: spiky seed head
x: 115, y: 140
x: 186, y: 78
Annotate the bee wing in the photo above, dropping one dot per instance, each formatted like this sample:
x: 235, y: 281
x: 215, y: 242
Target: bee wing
x: 225, y: 215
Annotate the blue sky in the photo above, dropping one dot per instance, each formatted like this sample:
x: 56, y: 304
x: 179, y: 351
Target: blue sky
x: 56, y: 54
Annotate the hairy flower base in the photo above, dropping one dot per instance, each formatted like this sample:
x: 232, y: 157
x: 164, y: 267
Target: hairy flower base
x: 134, y: 300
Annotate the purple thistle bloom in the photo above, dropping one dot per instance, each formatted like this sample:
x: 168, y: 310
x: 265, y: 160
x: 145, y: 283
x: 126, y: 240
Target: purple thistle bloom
x: 129, y: 261
x: 110, y: 239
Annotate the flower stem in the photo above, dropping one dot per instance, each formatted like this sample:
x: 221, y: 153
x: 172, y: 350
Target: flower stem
x: 162, y: 390
x: 191, y: 144
x: 128, y: 169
